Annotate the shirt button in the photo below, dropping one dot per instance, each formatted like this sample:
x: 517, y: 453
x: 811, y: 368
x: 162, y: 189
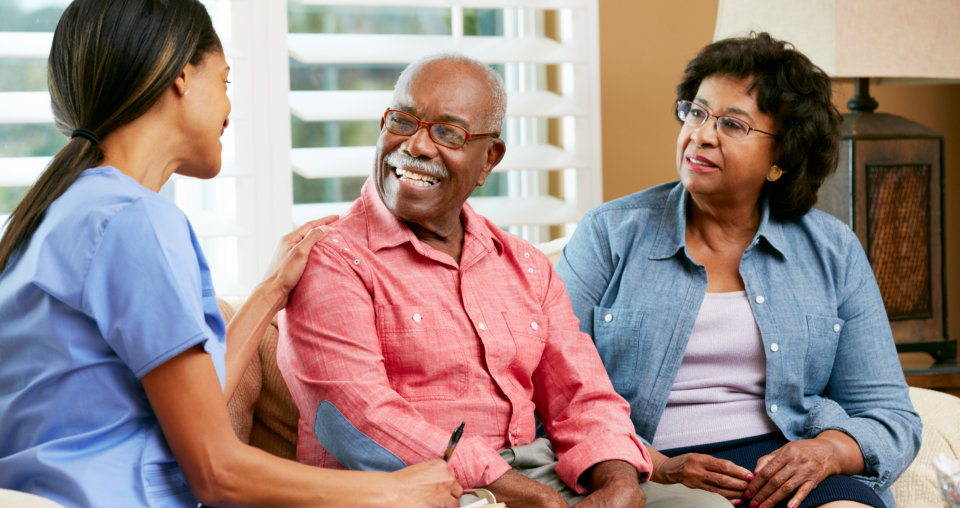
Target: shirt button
x: 482, y: 326
x: 774, y: 347
x: 530, y: 270
x: 416, y: 318
x: 608, y: 318
x: 526, y: 254
x: 534, y: 325
x: 761, y: 299
x: 336, y: 241
x: 836, y: 327
x: 356, y: 261
x: 774, y: 408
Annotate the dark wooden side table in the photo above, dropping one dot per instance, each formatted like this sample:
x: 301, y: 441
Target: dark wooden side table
x: 927, y: 373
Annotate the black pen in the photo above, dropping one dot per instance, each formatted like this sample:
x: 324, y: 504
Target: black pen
x: 454, y: 439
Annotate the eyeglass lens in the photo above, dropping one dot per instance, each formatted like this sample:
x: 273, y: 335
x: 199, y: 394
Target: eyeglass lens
x: 695, y: 115
x: 405, y: 124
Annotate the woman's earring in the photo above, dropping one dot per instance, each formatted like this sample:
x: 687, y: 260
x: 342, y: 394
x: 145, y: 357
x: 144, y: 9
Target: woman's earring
x: 775, y: 173
x: 186, y: 92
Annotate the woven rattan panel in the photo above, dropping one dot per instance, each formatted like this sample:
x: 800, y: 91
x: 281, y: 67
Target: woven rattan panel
x: 898, y: 237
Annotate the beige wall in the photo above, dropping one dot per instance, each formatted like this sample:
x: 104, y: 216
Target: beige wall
x: 644, y: 46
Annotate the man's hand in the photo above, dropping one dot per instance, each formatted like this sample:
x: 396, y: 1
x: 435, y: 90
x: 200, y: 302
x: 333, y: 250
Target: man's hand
x: 614, y: 485
x: 518, y: 491
x: 704, y: 472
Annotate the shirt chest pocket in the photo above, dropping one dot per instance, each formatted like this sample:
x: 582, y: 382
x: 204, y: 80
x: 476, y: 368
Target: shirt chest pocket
x: 616, y: 332
x: 823, y: 335
x: 424, y: 357
x: 527, y: 329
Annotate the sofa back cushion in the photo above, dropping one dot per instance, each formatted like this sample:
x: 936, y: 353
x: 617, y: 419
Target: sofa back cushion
x: 261, y: 410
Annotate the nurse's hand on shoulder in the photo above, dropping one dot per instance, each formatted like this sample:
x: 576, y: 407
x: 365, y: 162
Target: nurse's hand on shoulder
x: 426, y: 485
x: 290, y: 258
x: 704, y: 472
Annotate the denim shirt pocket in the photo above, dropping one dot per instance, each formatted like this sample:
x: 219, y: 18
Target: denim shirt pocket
x: 823, y: 334
x: 422, y: 354
x: 616, y: 332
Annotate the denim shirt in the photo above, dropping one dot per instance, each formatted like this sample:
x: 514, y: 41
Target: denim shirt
x: 830, y: 358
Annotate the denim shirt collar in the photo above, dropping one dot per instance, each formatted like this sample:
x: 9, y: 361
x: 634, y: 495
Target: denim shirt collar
x: 671, y: 236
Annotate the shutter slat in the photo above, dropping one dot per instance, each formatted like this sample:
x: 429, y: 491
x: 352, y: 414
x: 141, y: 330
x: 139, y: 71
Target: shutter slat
x: 21, y: 171
x: 318, y: 48
x: 25, y: 107
x: 25, y: 44
x: 477, y: 4
x: 329, y: 106
x: 357, y: 161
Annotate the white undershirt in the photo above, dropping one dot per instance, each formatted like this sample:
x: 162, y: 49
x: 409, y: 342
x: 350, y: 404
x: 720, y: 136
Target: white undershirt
x: 719, y: 389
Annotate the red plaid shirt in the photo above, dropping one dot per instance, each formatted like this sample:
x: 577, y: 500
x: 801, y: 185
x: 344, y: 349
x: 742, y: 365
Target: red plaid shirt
x: 405, y: 344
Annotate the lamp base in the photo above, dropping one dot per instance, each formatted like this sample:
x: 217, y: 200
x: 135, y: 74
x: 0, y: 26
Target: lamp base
x: 888, y: 188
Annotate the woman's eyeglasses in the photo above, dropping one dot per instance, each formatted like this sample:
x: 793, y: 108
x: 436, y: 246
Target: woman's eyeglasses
x: 695, y: 115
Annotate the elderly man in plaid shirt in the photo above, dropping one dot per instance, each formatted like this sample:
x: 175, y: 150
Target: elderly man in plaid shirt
x: 415, y: 314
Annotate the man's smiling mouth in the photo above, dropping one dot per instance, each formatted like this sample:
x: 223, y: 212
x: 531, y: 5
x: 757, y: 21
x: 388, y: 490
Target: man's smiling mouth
x: 415, y: 179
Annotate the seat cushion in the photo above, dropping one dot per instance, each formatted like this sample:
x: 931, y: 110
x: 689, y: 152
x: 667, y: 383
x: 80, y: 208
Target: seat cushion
x: 940, y: 412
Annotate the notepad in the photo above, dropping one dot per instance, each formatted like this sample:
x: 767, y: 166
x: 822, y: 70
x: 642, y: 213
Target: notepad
x: 484, y: 502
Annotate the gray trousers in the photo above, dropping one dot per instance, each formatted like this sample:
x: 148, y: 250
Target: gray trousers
x: 538, y: 462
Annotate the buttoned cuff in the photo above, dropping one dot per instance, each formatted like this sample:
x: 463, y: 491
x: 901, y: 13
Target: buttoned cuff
x: 476, y: 464
x: 628, y: 448
x: 829, y: 415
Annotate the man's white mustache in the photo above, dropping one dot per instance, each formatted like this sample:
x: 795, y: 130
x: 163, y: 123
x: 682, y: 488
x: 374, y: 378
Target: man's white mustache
x: 401, y: 160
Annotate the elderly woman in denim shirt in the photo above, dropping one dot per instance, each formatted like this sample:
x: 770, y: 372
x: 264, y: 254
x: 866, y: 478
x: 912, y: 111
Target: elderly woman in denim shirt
x: 746, y: 329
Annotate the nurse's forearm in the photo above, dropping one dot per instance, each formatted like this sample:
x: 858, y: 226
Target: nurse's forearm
x: 246, y: 329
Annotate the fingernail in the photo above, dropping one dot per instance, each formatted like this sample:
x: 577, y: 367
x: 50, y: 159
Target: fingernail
x: 736, y: 502
x: 750, y: 477
x: 754, y: 504
x: 746, y: 494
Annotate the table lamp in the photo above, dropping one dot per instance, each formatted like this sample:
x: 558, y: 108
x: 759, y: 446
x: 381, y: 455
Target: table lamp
x: 888, y: 184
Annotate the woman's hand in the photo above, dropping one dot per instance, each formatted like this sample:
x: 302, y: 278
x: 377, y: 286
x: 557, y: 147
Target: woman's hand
x: 704, y: 472
x: 291, y: 255
x: 427, y: 485
x: 801, y: 465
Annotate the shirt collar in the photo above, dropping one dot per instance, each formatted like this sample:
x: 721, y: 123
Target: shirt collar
x: 671, y: 236
x: 384, y: 230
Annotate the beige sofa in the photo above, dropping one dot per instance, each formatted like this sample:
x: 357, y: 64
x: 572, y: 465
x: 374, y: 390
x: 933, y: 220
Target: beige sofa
x: 264, y: 415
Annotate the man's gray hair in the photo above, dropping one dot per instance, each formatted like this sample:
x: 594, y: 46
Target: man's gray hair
x: 498, y: 92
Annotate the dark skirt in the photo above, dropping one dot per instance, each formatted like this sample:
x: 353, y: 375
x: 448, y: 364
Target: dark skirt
x: 745, y: 453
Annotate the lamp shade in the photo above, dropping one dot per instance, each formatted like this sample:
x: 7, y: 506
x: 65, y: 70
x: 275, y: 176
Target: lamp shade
x: 905, y: 41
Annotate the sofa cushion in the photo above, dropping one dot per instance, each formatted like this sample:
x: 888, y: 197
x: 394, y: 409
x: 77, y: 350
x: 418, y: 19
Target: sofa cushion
x: 261, y: 410
x: 940, y: 412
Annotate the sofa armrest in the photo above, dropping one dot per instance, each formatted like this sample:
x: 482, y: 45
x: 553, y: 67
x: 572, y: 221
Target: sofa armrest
x: 940, y: 412
x: 262, y: 411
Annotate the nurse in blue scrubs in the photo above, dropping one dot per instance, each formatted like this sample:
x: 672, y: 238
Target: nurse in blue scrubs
x: 115, y: 365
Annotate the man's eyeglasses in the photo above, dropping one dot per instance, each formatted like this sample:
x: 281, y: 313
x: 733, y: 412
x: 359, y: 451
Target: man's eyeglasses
x: 449, y: 135
x: 695, y: 115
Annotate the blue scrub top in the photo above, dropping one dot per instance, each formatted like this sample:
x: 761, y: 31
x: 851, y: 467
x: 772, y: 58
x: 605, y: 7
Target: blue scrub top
x: 112, y: 284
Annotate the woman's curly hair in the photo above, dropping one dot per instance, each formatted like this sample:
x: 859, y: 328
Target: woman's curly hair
x: 796, y: 93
